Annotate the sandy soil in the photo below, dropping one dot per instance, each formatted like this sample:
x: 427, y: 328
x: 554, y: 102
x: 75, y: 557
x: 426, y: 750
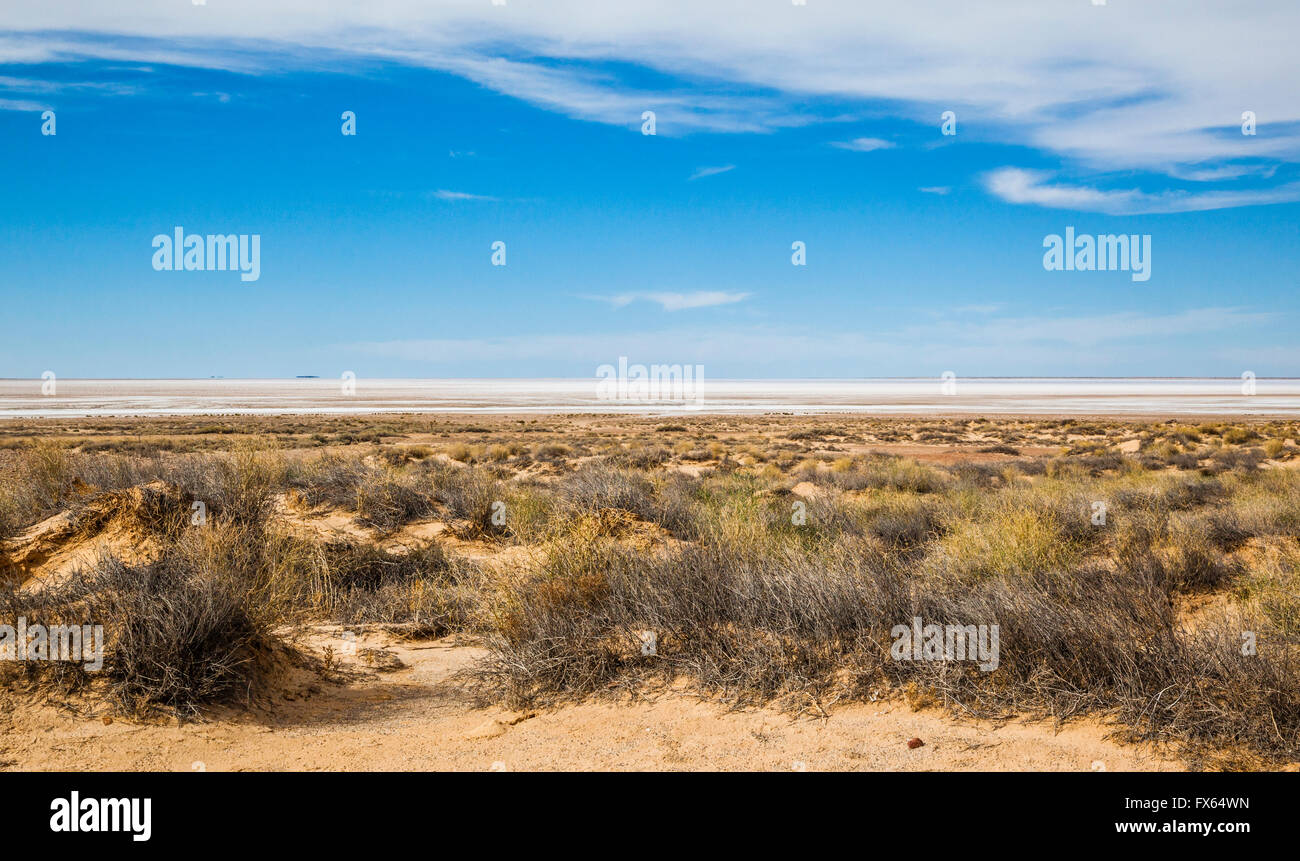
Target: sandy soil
x: 418, y: 717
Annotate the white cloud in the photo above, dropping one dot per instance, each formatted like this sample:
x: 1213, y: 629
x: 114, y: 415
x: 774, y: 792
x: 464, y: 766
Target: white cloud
x: 1157, y: 86
x: 444, y: 194
x: 1027, y: 186
x: 935, y: 189
x: 702, y: 172
x: 1227, y: 171
x: 21, y: 105
x: 36, y: 85
x: 675, y: 301
x: 863, y: 144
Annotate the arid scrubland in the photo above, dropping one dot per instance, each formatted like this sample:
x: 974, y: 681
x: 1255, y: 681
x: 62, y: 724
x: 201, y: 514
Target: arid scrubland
x: 1147, y: 573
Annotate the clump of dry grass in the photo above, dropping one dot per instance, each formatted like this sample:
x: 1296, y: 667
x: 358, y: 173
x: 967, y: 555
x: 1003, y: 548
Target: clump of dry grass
x: 182, y: 630
x: 809, y: 628
x: 385, y: 503
x: 642, y: 457
x: 880, y: 472
x: 422, y: 592
x: 199, y: 624
x: 595, y: 486
x: 156, y: 508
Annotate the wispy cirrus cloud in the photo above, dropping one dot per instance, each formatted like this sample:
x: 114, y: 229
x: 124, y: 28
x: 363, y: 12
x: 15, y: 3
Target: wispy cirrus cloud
x: 38, y: 85
x: 444, y: 194
x: 21, y: 105
x: 863, y: 144
x: 674, y: 301
x: 1016, y: 185
x: 935, y: 189
x: 1105, y: 87
x: 1114, y: 85
x: 702, y: 172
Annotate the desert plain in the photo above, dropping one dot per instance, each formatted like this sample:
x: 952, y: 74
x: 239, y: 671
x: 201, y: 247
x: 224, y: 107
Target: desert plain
x: 618, y: 592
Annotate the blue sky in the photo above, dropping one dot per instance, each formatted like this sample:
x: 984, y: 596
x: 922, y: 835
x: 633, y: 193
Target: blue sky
x: 523, y: 124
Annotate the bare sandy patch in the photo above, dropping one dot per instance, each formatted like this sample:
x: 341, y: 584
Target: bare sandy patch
x: 416, y: 717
